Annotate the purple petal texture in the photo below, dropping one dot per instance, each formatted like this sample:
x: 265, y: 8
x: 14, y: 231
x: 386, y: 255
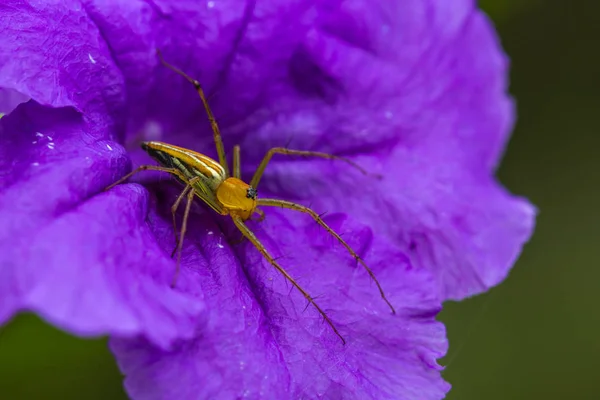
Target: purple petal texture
x: 415, y: 90
x: 262, y: 342
x: 87, y: 263
x: 412, y: 90
x: 53, y: 53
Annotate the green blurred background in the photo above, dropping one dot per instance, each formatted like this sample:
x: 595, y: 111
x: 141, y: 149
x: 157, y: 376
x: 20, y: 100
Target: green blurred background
x: 536, y: 336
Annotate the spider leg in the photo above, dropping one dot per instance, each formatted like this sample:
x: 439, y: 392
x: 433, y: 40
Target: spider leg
x: 174, y: 208
x: 317, y: 218
x: 213, y: 122
x: 188, y: 205
x: 250, y: 235
x: 236, y: 162
x: 261, y: 217
x: 141, y: 168
x: 261, y: 214
x: 282, y: 150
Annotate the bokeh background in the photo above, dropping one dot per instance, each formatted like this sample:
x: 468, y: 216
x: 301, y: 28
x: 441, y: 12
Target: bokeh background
x: 536, y: 336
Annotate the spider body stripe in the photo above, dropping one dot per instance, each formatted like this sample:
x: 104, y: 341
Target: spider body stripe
x: 204, y: 172
x: 190, y: 162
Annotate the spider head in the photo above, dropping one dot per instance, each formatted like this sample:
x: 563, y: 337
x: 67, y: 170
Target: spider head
x: 237, y: 197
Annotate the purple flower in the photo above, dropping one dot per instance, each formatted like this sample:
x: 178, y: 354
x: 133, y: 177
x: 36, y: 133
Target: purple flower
x: 413, y: 90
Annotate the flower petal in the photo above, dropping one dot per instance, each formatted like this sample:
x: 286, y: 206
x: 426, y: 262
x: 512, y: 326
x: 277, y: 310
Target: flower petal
x: 53, y: 53
x: 415, y: 90
x: 87, y: 263
x: 449, y: 214
x: 463, y: 227
x: 261, y: 341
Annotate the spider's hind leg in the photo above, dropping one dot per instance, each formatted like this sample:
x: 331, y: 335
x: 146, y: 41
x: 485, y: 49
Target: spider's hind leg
x: 141, y: 168
x: 174, y: 208
x: 186, y: 214
x: 213, y: 122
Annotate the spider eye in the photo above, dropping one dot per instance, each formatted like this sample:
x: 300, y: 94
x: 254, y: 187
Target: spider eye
x: 251, y: 193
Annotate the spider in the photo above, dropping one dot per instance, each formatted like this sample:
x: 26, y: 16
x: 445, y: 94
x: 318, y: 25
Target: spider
x: 227, y: 194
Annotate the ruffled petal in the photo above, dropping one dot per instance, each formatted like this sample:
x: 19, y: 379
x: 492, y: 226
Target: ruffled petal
x: 53, y: 53
x: 87, y: 262
x: 414, y: 90
x: 262, y: 341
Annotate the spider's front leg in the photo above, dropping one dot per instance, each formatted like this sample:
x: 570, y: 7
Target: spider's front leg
x: 282, y: 150
x: 319, y: 220
x: 261, y: 248
x: 236, y: 162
